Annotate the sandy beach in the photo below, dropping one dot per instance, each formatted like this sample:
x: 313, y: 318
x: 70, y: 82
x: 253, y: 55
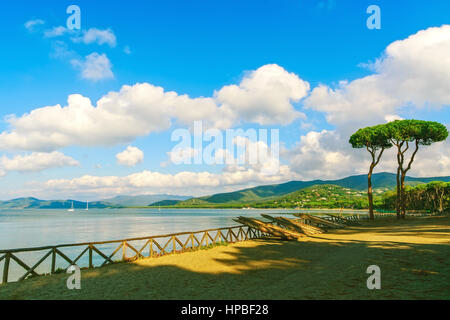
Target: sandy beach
x: 412, y: 254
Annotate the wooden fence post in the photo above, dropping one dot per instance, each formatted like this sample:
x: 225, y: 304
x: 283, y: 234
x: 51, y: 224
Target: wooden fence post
x: 90, y: 257
x: 6, y: 267
x: 124, y: 251
x: 151, y: 248
x: 53, y: 260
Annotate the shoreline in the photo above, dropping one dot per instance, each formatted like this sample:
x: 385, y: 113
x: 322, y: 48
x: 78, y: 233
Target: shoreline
x: 411, y: 255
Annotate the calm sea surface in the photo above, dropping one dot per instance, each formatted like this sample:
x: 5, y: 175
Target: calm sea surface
x: 42, y: 227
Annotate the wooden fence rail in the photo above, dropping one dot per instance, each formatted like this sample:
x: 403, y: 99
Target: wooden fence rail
x: 154, y: 246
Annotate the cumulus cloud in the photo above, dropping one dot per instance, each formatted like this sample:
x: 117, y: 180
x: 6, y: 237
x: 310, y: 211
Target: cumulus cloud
x: 182, y: 155
x: 36, y: 161
x: 98, y: 36
x: 130, y: 157
x: 32, y: 24
x: 119, y: 117
x: 323, y: 154
x: 328, y: 155
x: 234, y: 175
x: 239, y: 150
x: 57, y: 31
x: 412, y: 73
x: 265, y: 96
x: 94, y: 67
x: 185, y: 182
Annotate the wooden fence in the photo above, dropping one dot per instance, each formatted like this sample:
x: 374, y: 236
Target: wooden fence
x: 149, y: 247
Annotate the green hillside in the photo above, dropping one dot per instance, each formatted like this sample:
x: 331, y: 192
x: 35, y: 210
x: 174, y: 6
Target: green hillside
x: 164, y: 203
x: 381, y: 182
x: 319, y: 196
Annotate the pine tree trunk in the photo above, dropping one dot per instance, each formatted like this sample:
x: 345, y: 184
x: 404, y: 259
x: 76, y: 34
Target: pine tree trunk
x: 403, y: 198
x: 398, y: 200
x: 369, y: 193
x: 441, y: 201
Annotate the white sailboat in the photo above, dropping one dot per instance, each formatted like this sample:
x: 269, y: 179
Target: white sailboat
x: 87, y: 205
x: 71, y: 208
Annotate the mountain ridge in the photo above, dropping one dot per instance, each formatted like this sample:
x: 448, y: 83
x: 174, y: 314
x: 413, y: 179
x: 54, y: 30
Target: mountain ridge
x: 142, y: 200
x: 382, y: 180
x: 115, y: 202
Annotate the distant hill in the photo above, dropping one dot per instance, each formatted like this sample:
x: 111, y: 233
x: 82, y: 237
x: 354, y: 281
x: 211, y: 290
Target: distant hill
x: 262, y: 195
x: 318, y: 196
x: 116, y: 202
x: 165, y: 203
x: 142, y: 200
x: 33, y: 203
x: 380, y: 181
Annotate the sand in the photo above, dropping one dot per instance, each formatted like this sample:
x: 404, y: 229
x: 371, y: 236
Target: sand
x: 413, y: 256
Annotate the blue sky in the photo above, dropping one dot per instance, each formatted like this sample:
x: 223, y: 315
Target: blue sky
x: 197, y: 48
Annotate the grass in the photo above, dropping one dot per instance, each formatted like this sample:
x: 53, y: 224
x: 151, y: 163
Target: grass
x: 413, y: 256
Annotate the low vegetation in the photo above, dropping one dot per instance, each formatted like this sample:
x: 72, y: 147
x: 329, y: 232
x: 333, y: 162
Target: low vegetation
x: 434, y: 196
x: 319, y: 196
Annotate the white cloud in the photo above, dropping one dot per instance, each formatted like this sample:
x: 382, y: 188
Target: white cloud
x: 182, y: 155
x: 186, y: 183
x: 324, y: 155
x: 95, y: 67
x: 98, y: 36
x: 60, y: 50
x: 130, y: 157
x: 241, y: 151
x: 127, y: 50
x: 56, y: 32
x: 232, y: 177
x: 392, y: 117
x: 31, y: 24
x: 328, y: 155
x: 119, y: 117
x: 265, y: 96
x: 36, y: 161
x: 412, y: 73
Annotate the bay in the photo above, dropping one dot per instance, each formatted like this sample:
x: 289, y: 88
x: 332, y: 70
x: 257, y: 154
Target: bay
x: 49, y: 227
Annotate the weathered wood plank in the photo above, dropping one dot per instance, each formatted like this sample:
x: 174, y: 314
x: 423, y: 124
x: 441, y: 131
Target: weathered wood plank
x: 62, y: 255
x: 22, y: 264
x: 112, y: 254
x: 271, y: 229
x: 36, y: 265
x: 295, y: 225
x: 80, y: 255
x: 161, y: 250
x: 138, y: 254
x: 102, y: 254
x: 318, y: 221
